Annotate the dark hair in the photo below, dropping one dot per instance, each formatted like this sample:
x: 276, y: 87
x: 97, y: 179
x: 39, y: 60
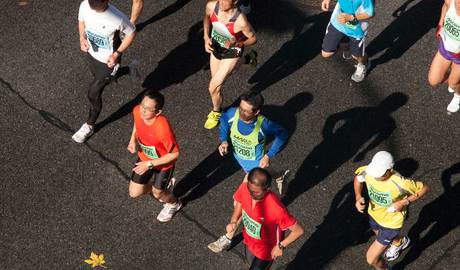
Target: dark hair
x: 255, y: 99
x: 157, y: 96
x: 98, y: 4
x: 260, y: 177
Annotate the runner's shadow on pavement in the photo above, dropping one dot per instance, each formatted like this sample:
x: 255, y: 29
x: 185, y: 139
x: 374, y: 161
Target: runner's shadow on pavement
x: 406, y: 29
x: 174, y: 68
x: 342, y: 227
x: 169, y: 10
x: 439, y: 217
x: 344, y: 134
x: 214, y: 168
x: 293, y: 54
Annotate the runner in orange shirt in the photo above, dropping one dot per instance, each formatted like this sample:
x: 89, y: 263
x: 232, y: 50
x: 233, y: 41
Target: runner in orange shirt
x: 157, y: 151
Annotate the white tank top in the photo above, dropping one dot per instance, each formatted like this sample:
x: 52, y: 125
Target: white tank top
x: 451, y: 30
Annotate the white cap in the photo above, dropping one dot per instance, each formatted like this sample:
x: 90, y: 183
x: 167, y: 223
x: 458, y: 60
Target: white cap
x: 381, y: 162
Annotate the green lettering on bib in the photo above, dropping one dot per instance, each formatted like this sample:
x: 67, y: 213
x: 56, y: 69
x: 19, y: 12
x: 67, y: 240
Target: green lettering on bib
x: 245, y: 145
x: 380, y: 198
x: 219, y: 38
x: 149, y: 151
x: 451, y: 29
x: 252, y: 227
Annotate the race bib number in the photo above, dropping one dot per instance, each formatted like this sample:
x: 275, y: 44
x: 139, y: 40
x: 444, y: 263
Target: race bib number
x: 97, y: 41
x: 451, y: 29
x: 252, y: 227
x: 219, y: 38
x: 380, y: 198
x: 149, y: 151
x: 246, y: 152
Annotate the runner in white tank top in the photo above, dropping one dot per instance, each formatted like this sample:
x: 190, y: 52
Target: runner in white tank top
x: 448, y: 56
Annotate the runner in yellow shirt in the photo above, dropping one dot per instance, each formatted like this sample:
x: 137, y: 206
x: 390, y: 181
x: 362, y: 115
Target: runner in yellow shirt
x: 390, y: 194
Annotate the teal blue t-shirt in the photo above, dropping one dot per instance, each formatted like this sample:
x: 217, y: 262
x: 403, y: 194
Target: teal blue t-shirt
x: 352, y: 7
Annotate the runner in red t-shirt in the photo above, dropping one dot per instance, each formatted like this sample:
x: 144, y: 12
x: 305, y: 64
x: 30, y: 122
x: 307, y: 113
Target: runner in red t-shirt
x: 264, y: 219
x: 157, y: 152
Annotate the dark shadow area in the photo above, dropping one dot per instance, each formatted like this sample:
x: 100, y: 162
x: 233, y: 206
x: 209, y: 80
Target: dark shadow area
x: 293, y: 54
x: 182, y: 62
x: 214, y: 168
x: 286, y: 115
x: 406, y: 166
x: 439, y: 217
x: 408, y: 27
x: 162, y: 14
x: 344, y: 134
x: 277, y: 16
x: 342, y: 227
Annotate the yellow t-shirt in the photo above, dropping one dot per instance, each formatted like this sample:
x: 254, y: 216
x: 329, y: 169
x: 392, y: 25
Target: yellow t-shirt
x: 383, y: 194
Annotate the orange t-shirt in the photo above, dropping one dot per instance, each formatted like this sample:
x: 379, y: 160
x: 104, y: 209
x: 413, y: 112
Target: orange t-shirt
x: 155, y: 140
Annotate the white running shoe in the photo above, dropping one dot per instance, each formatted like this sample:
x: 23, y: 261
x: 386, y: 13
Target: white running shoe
x: 454, y: 104
x: 83, y: 133
x: 169, y: 210
x: 245, y: 9
x: 450, y: 90
x: 392, y: 252
x: 361, y: 71
x: 134, y: 69
x: 221, y: 244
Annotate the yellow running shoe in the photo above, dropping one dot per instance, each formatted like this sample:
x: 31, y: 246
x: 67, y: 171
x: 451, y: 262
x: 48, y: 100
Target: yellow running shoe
x: 213, y: 120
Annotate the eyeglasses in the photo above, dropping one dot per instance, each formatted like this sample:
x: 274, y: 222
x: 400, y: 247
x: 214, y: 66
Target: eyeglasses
x: 152, y: 110
x: 247, y: 112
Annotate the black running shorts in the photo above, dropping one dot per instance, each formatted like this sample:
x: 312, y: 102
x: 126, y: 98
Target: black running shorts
x: 158, y: 179
x: 334, y: 37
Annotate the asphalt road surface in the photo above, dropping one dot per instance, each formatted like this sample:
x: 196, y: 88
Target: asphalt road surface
x: 60, y: 200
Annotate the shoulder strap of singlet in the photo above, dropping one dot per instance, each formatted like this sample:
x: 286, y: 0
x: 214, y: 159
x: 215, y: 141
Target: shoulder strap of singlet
x: 234, y: 17
x: 216, y: 8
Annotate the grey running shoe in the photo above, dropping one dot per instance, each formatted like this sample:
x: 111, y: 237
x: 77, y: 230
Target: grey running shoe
x: 361, y: 71
x: 169, y: 210
x: 392, y: 252
x: 281, y: 181
x: 221, y: 244
x: 83, y: 133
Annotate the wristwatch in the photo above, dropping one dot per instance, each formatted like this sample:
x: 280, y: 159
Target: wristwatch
x: 149, y: 164
x: 281, y: 246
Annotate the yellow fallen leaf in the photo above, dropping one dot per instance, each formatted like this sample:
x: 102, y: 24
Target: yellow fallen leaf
x: 96, y: 260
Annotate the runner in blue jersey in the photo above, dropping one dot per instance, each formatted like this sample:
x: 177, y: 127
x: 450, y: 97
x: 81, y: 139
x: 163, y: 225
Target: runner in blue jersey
x: 246, y: 130
x: 349, y: 25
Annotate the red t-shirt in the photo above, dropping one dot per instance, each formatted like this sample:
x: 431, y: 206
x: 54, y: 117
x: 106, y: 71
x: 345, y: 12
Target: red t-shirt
x: 154, y: 140
x: 263, y: 225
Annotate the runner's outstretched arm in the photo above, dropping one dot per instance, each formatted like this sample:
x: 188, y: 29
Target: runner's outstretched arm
x: 444, y: 9
x: 358, y: 188
x: 280, y: 134
x: 296, y: 231
x: 247, y: 30
x: 207, y: 27
x: 136, y: 10
x: 235, y: 219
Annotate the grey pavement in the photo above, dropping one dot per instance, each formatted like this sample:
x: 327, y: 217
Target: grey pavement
x: 61, y: 200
